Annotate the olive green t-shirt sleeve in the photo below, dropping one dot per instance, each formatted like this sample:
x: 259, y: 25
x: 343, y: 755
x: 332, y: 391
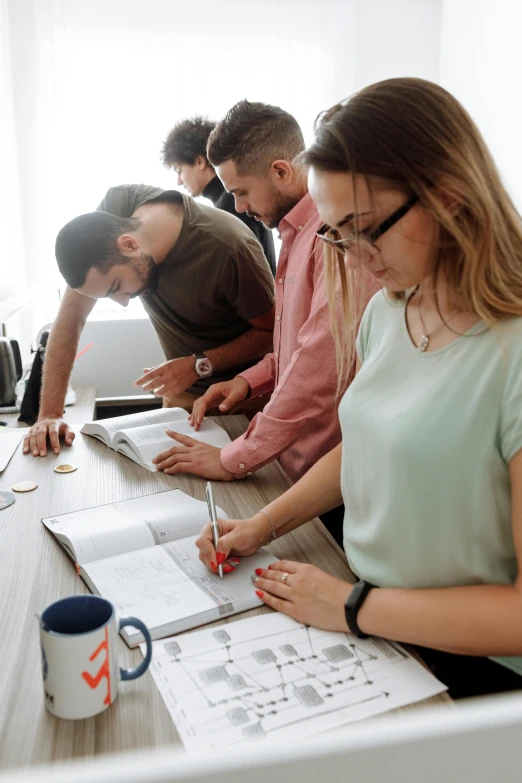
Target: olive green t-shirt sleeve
x: 246, y: 280
x: 124, y: 200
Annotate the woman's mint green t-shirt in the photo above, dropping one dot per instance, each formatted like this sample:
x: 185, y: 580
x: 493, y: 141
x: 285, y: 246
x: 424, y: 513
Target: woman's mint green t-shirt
x: 427, y: 438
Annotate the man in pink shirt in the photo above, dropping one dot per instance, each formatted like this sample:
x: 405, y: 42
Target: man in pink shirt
x: 252, y: 149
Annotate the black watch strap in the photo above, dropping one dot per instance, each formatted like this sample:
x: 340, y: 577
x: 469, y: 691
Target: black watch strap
x: 353, y: 603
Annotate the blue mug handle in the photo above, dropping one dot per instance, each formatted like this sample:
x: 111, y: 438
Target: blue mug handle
x: 141, y: 668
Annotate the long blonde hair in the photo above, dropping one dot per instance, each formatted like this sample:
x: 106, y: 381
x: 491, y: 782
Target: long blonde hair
x: 418, y: 138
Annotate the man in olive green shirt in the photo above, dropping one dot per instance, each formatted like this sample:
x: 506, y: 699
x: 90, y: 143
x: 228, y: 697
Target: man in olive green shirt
x: 202, y: 278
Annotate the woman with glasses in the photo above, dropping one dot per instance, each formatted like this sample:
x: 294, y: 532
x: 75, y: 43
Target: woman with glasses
x: 430, y: 468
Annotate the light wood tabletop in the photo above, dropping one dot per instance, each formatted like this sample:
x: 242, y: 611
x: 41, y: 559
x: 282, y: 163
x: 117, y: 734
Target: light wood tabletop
x: 35, y: 571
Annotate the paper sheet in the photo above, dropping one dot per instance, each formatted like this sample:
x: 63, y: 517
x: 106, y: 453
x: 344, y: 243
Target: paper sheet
x: 269, y: 678
x: 9, y: 440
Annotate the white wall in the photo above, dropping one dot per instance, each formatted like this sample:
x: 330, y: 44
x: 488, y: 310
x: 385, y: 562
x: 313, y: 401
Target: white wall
x: 396, y: 38
x: 121, y: 350
x: 481, y: 65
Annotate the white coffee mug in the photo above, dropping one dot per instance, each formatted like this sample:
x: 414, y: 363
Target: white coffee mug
x: 78, y: 636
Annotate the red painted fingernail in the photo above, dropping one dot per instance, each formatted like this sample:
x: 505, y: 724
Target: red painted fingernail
x: 228, y: 568
x: 221, y: 557
x: 234, y: 559
x: 213, y: 567
x: 269, y: 567
x: 259, y: 571
x: 259, y: 593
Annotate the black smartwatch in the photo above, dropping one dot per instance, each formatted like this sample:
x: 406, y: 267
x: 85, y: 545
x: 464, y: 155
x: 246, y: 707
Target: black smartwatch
x: 353, y: 603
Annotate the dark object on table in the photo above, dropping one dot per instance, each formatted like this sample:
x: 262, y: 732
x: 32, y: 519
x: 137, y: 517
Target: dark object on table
x: 31, y: 401
x: 10, y: 370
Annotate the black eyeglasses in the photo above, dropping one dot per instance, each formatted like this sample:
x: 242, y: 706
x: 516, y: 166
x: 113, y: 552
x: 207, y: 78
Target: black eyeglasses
x: 365, y: 240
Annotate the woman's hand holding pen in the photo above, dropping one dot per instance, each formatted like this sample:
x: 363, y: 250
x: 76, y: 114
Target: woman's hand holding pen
x: 237, y: 537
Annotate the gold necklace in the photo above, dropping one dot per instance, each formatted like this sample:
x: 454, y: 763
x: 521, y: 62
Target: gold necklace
x: 423, y: 343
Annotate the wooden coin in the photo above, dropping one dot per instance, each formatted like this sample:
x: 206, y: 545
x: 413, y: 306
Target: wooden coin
x: 24, y: 486
x: 65, y: 468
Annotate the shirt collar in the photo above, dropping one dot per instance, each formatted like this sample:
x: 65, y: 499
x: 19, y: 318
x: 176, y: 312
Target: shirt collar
x: 299, y: 215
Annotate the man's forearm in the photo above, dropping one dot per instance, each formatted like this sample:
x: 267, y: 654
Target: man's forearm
x: 59, y: 359
x: 249, y: 346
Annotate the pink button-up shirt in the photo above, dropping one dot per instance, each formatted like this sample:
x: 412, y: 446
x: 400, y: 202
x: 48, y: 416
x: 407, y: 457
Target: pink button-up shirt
x: 299, y: 424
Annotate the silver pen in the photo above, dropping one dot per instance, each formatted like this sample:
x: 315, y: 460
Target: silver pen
x: 213, y: 520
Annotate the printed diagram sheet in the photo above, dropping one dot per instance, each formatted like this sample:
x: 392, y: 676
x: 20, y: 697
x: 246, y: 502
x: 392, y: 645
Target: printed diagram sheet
x: 269, y: 678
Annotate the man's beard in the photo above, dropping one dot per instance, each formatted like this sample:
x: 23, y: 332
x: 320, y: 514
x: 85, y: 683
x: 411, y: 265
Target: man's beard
x: 147, y: 273
x: 280, y: 206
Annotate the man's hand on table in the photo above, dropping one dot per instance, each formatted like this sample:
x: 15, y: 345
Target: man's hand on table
x: 192, y: 456
x: 52, y: 427
x: 170, y: 378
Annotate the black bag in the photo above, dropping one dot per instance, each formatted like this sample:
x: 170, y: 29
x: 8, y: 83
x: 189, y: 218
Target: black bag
x: 31, y: 401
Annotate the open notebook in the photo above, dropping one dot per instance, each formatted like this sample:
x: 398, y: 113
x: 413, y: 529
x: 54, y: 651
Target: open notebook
x: 141, y: 555
x: 142, y: 436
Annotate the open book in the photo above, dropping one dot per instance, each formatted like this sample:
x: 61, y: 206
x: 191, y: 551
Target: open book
x: 142, y: 436
x: 141, y: 555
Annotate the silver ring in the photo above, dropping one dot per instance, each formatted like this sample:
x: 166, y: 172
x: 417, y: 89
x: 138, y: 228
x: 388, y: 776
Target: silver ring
x: 284, y: 577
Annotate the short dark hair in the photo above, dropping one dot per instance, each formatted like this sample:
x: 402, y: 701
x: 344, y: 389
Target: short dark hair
x: 90, y: 241
x: 253, y: 135
x: 186, y: 141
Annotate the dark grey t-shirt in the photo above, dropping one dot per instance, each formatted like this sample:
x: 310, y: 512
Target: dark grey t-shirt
x: 214, y: 280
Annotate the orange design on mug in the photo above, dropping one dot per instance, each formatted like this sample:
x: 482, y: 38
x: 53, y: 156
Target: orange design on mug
x: 93, y: 682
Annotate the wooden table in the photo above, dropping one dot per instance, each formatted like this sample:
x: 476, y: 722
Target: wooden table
x: 35, y: 571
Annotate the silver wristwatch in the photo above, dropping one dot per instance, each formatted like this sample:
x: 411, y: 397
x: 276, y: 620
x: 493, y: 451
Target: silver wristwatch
x: 203, y: 365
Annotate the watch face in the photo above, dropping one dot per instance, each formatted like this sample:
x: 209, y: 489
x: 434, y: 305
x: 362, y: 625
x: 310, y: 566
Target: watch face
x: 203, y: 367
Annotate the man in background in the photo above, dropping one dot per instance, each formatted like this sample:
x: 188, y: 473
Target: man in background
x: 202, y: 278
x: 185, y: 151
x: 252, y: 149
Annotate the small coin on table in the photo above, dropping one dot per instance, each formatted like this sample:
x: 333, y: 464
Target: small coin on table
x: 24, y: 486
x: 6, y: 499
x: 65, y: 468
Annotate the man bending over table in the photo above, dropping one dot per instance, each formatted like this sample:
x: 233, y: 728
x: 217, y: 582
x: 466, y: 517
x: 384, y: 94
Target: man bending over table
x: 202, y: 278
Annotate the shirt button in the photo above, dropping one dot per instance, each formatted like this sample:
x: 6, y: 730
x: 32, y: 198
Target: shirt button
x: 278, y: 317
x: 276, y: 354
x: 280, y: 279
x: 249, y: 473
x: 242, y: 465
x: 300, y: 228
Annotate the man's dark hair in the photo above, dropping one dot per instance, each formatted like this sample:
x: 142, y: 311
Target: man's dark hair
x: 186, y: 141
x: 253, y: 135
x: 90, y: 241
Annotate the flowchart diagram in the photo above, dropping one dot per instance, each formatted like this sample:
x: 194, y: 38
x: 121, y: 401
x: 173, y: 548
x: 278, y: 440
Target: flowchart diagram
x: 271, y: 677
